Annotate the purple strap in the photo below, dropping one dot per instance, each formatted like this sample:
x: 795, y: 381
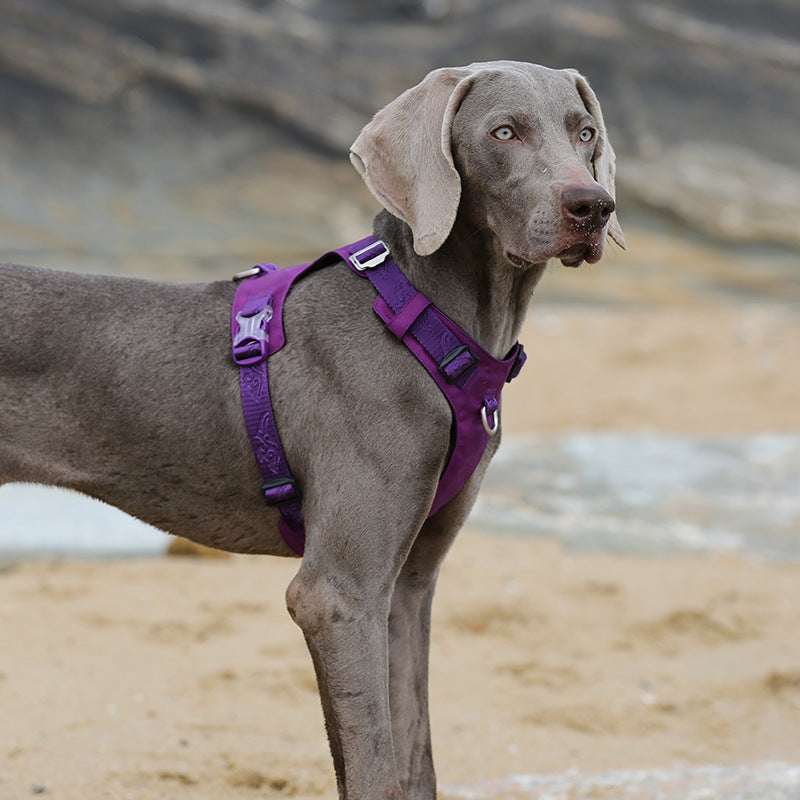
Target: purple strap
x: 257, y: 301
x: 469, y: 377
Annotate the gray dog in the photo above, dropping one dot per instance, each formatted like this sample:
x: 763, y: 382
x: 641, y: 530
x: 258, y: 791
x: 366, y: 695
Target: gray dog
x: 126, y: 390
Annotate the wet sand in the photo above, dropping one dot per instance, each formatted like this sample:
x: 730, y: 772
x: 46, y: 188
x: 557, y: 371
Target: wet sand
x: 185, y: 678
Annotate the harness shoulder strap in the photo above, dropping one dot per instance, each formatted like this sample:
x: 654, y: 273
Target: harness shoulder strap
x: 468, y: 376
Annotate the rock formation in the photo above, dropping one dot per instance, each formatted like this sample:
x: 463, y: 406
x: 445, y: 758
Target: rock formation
x: 702, y: 98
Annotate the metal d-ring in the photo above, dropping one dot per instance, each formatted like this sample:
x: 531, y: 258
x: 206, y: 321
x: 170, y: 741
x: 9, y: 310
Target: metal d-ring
x: 248, y: 273
x: 492, y: 428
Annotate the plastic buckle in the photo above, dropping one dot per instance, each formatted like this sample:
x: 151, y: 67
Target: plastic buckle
x: 250, y: 343
x: 280, y: 491
x: 458, y: 362
x: 370, y: 262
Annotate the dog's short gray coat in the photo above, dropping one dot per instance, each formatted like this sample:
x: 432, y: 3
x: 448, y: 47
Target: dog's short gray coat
x: 125, y: 389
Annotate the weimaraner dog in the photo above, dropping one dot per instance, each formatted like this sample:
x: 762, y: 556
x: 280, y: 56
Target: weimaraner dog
x: 125, y: 390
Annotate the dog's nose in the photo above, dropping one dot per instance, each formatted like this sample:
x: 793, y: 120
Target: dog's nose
x: 587, y: 207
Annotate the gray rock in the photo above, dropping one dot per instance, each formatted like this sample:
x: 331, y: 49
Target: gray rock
x: 700, y: 96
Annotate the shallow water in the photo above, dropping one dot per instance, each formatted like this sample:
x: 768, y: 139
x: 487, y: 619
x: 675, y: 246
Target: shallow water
x: 621, y: 493
x: 39, y: 520
x: 771, y: 781
x: 649, y: 493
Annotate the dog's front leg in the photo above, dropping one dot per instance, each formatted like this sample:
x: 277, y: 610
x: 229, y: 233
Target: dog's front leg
x: 409, y: 643
x: 409, y: 647
x: 341, y: 599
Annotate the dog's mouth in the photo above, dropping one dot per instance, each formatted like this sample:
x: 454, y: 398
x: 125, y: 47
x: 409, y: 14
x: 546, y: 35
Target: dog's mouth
x: 590, y: 251
x: 575, y: 255
x: 572, y: 256
x: 518, y: 261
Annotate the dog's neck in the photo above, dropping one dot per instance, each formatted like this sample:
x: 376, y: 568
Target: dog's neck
x: 468, y: 280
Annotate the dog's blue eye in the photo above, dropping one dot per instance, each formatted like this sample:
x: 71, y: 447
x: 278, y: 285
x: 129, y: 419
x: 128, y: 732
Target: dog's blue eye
x: 505, y: 133
x: 586, y: 135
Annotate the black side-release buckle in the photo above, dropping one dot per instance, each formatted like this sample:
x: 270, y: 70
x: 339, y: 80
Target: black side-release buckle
x: 519, y: 360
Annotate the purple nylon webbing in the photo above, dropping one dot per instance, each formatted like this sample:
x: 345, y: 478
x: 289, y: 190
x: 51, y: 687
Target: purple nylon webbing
x: 468, y: 376
x: 472, y: 380
x: 257, y: 332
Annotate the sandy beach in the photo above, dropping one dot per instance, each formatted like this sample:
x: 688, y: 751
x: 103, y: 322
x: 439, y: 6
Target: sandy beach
x: 185, y: 678
x: 620, y: 620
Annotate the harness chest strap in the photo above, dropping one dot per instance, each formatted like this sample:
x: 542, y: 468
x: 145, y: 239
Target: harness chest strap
x: 470, y: 378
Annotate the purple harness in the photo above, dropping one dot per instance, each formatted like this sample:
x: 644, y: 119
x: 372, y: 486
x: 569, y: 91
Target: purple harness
x: 469, y: 377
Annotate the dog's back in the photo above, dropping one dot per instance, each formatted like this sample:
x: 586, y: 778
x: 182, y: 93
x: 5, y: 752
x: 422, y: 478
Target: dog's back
x: 37, y: 352
x: 124, y: 389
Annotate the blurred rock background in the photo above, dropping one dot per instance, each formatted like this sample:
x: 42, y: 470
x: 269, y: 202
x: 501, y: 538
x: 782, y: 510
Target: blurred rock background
x: 191, y: 138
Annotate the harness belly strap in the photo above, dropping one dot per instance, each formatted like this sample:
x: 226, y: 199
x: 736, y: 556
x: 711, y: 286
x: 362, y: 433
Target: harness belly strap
x: 470, y: 378
x: 257, y: 333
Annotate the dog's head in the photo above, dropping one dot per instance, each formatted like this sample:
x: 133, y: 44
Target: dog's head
x: 514, y: 147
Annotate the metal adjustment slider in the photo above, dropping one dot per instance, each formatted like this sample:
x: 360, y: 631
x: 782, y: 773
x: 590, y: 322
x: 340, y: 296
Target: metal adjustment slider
x: 370, y: 261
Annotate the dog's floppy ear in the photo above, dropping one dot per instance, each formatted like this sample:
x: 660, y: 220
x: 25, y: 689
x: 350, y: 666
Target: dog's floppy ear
x: 604, y: 162
x: 404, y: 156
